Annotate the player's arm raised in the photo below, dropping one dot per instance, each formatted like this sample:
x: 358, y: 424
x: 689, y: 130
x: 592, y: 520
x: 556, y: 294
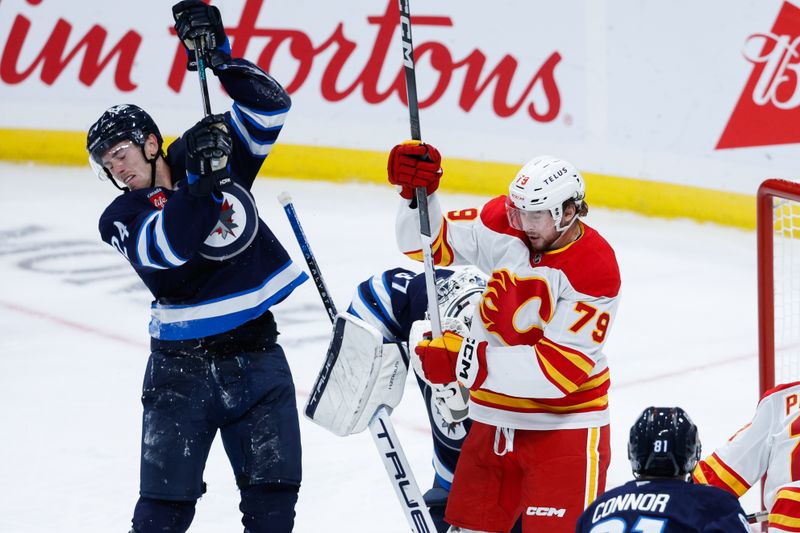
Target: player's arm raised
x: 414, y: 164
x: 260, y: 103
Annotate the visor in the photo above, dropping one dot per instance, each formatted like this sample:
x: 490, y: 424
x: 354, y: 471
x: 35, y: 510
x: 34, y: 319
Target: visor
x: 100, y: 166
x: 521, y: 219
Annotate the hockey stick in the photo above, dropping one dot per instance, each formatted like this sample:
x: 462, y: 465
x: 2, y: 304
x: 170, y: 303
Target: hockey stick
x: 457, y: 402
x: 200, y: 57
x: 383, y: 434
x: 760, y: 516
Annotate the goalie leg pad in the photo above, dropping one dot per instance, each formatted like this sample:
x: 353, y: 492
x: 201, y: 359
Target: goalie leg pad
x: 360, y: 373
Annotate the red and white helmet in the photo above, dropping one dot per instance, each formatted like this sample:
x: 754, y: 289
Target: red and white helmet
x: 544, y: 183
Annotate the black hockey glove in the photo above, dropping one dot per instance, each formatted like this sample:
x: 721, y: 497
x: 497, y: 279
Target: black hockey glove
x: 208, y: 145
x: 196, y: 20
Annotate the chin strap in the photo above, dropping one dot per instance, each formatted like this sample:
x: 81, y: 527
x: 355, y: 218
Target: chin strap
x: 114, y: 182
x: 565, y: 228
x: 152, y: 167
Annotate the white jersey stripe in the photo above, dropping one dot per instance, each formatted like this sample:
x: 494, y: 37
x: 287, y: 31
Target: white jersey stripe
x: 256, y: 148
x: 170, y: 314
x: 142, y: 243
x: 261, y: 119
x: 383, y: 297
x: 163, y: 245
x: 367, y: 314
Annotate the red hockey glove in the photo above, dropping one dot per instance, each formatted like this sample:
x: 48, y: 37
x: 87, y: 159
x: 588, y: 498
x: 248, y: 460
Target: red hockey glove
x: 414, y: 164
x: 438, y: 357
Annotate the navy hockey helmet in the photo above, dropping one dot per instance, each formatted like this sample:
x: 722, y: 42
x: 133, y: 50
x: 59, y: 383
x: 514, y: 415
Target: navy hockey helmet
x: 118, y: 123
x: 664, y: 442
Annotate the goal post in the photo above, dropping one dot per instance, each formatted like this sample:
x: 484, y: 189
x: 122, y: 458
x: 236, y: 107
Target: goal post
x: 778, y: 243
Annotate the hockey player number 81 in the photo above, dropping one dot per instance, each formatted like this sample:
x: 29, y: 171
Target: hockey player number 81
x: 618, y: 525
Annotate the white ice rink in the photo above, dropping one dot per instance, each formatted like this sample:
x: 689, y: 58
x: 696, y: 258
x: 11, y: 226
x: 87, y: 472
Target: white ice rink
x: 73, y: 347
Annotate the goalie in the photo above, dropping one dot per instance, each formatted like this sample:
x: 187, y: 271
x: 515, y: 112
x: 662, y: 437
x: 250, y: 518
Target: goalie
x: 385, y: 312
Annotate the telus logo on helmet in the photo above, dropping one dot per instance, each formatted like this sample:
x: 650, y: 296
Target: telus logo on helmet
x: 769, y: 106
x: 553, y: 177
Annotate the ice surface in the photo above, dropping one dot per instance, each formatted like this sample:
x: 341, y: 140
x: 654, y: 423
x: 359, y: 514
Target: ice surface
x: 73, y: 348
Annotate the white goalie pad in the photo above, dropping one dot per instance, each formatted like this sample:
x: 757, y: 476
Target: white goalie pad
x: 440, y: 393
x: 360, y: 373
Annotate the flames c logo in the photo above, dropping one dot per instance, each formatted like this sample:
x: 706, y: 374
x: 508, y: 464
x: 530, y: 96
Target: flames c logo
x: 508, y: 308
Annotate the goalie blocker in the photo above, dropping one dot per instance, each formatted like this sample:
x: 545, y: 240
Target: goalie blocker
x: 360, y: 374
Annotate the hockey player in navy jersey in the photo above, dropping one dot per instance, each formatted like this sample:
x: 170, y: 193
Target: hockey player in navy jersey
x: 189, y: 227
x: 664, y: 448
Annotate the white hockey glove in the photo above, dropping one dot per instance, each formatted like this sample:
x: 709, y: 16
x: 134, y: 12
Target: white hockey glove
x: 360, y: 373
x: 453, y: 408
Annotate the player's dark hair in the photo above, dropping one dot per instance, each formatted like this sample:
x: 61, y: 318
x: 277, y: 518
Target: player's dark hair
x: 580, y: 211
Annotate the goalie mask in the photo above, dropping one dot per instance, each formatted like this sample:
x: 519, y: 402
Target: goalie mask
x: 543, y: 184
x: 663, y: 443
x: 459, y: 294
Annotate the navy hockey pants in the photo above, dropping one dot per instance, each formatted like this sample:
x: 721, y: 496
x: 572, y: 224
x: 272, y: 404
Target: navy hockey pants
x: 189, y: 394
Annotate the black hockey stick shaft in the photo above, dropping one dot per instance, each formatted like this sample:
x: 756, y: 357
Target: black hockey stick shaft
x: 316, y: 274
x: 421, y: 193
x: 408, y: 67
x: 458, y: 401
x: 760, y: 516
x: 200, y: 58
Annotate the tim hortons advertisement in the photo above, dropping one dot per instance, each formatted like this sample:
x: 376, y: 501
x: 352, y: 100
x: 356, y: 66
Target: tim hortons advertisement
x: 641, y: 91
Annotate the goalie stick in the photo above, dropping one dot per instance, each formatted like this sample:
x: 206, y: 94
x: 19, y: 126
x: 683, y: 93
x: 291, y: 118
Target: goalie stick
x: 456, y: 396
x: 380, y: 426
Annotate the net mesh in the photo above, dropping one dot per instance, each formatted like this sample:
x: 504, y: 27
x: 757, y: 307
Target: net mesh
x: 786, y: 272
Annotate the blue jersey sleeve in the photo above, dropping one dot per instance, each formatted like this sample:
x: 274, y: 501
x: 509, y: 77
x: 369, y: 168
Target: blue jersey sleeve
x: 260, y: 106
x: 154, y: 238
x: 392, y: 301
x: 256, y: 118
x: 377, y: 299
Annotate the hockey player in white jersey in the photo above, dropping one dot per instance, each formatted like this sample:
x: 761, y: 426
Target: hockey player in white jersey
x: 769, y: 444
x: 533, y: 361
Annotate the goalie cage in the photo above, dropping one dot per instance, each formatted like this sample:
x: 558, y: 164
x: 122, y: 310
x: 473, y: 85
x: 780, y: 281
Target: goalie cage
x: 778, y: 242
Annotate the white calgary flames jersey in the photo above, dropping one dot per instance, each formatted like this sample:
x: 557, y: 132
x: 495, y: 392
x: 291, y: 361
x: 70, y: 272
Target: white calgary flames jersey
x: 769, y: 444
x: 545, y: 316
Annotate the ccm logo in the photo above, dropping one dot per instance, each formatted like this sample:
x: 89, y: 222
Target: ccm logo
x: 545, y: 511
x: 466, y: 359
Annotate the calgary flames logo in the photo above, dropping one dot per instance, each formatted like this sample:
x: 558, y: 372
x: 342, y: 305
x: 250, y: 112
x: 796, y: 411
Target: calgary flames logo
x: 508, y: 308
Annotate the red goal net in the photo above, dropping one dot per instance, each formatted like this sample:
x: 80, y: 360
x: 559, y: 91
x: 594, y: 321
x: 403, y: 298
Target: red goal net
x: 778, y: 235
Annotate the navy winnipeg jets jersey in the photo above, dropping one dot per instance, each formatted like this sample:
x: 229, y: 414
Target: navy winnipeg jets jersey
x: 664, y: 506
x: 211, y: 263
